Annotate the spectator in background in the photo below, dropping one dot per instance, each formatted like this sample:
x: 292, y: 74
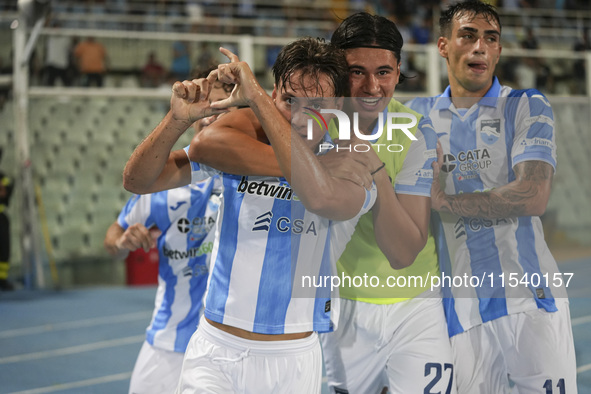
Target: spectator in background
x: 526, y: 68
x: 542, y: 75
x: 181, y: 63
x: 73, y: 72
x: 530, y: 41
x: 421, y: 33
x: 57, y: 58
x: 5, y: 84
x: 91, y: 58
x: 6, y: 187
x: 153, y: 73
x: 579, y: 67
x: 205, y: 57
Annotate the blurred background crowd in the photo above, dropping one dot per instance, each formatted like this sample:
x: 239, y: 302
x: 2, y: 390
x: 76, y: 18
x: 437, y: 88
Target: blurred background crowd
x: 85, y: 60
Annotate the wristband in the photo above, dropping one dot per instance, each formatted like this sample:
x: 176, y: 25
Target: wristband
x: 377, y: 169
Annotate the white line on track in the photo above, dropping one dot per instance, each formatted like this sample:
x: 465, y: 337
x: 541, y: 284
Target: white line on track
x: 96, y: 321
x: 584, y: 368
x: 581, y: 320
x: 81, y: 383
x: 73, y: 349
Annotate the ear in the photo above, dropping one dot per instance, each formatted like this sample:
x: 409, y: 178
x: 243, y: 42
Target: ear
x: 274, y: 94
x: 442, y: 43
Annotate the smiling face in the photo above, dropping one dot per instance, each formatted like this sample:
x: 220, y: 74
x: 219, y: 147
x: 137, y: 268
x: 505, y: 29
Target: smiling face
x: 318, y: 94
x: 373, y: 76
x: 472, y: 51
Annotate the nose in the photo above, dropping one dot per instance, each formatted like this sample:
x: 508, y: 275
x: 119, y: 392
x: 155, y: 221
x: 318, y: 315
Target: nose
x: 299, y: 120
x: 480, y: 45
x: 372, y: 85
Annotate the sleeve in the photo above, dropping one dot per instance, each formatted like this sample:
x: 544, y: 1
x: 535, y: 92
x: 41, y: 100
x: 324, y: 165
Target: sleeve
x: 370, y: 199
x: 200, y: 172
x: 422, y: 105
x: 136, y: 210
x: 416, y: 174
x: 533, y: 126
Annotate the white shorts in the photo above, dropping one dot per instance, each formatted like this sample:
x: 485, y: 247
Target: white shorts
x: 404, y: 346
x: 156, y: 371
x: 218, y: 362
x: 534, y: 350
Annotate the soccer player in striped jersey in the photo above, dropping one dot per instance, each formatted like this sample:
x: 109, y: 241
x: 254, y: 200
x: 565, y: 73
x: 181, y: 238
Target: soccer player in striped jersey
x: 407, y: 323
x: 182, y: 220
x: 496, y: 164
x: 180, y: 223
x: 259, y: 330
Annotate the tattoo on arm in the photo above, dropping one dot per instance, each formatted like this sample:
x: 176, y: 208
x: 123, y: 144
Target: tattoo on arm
x: 535, y: 171
x: 511, y: 200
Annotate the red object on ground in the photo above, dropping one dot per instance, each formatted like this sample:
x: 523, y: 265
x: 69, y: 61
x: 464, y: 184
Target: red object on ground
x: 141, y: 267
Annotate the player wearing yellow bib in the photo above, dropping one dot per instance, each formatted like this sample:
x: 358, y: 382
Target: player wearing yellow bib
x: 388, y: 335
x: 363, y: 257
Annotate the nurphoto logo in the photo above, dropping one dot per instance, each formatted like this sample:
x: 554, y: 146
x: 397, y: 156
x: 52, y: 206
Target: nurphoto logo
x: 390, y: 125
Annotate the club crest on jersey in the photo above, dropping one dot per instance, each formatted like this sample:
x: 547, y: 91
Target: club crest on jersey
x: 490, y: 130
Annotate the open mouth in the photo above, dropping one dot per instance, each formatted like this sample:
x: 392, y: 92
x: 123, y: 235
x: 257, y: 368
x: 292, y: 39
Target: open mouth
x: 478, y: 67
x: 369, y: 103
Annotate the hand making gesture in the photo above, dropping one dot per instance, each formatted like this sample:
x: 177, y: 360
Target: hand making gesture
x: 190, y: 99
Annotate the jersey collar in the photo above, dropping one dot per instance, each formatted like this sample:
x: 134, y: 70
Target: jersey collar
x: 489, y: 99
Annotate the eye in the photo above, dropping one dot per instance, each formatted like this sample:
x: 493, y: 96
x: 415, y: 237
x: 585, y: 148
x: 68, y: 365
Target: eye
x: 316, y: 106
x: 290, y: 100
x: 383, y: 72
x: 356, y: 72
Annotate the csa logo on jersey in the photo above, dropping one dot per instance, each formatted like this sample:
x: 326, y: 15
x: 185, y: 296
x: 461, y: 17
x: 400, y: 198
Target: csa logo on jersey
x: 459, y: 228
x: 490, y: 130
x: 263, y: 222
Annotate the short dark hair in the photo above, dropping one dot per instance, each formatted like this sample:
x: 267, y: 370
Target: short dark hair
x: 471, y: 7
x: 363, y: 30
x: 312, y: 57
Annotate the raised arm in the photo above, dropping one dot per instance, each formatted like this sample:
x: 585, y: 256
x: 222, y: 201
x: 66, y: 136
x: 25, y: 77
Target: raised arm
x: 236, y: 151
x: 401, y: 219
x: 233, y: 151
x: 527, y: 195
x: 534, y: 152
x: 325, y: 195
x: 401, y: 222
x: 152, y: 166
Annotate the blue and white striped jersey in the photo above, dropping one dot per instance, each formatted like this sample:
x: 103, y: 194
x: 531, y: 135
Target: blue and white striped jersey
x: 481, y: 145
x: 266, y: 245
x: 185, y: 216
